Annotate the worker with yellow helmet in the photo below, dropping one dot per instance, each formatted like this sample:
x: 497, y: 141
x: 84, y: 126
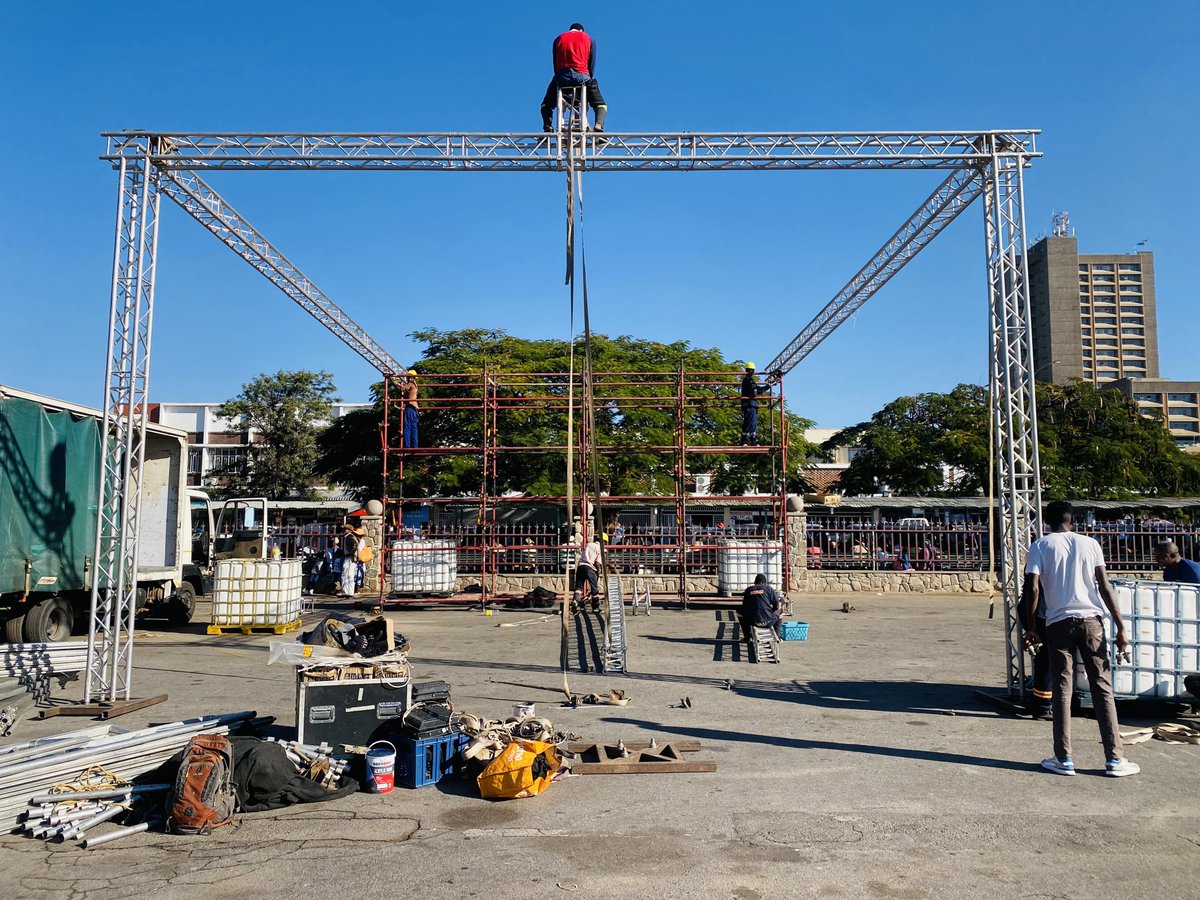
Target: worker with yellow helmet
x: 751, y: 391
x: 408, y: 397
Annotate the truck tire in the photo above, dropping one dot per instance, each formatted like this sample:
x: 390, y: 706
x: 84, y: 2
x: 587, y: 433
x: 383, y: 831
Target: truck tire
x: 52, y: 619
x: 183, y: 605
x: 14, y: 628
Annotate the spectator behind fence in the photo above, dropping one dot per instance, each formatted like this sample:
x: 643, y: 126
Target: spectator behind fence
x: 1175, y: 567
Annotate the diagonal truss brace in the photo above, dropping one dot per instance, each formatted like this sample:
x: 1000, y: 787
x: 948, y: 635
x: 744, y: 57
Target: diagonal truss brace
x: 208, y: 208
x: 941, y: 208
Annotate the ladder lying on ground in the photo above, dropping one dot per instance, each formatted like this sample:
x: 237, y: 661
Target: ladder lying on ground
x: 614, y: 637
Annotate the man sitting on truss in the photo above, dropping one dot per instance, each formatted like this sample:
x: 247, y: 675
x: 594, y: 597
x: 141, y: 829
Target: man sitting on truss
x: 574, y: 64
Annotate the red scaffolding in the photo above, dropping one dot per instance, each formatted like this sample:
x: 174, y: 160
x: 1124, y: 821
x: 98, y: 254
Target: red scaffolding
x: 494, y: 417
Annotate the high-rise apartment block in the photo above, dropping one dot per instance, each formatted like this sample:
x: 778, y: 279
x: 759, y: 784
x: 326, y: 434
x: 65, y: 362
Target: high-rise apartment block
x: 1094, y: 317
x: 1094, y: 314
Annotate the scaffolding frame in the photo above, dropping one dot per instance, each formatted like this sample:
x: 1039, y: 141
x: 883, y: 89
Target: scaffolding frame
x: 152, y: 163
x: 496, y: 397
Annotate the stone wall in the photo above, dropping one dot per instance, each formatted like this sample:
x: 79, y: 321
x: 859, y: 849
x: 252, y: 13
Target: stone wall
x: 832, y: 581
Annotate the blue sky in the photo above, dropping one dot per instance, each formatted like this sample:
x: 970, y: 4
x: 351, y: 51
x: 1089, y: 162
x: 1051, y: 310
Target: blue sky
x: 740, y: 261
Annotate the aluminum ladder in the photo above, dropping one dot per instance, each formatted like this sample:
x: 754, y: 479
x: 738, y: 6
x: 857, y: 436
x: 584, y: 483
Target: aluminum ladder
x: 765, y: 643
x: 640, y: 597
x: 613, y: 657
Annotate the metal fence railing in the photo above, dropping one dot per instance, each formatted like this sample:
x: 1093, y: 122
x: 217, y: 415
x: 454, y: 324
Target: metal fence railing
x: 847, y: 542
x: 833, y: 542
x: 860, y: 542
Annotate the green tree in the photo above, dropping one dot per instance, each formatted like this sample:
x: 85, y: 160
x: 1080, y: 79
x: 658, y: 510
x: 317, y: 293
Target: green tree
x: 905, y: 445
x: 532, y: 390
x: 1093, y: 444
x: 286, y: 410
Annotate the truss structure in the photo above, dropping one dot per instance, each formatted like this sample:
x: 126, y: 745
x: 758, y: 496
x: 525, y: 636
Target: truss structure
x: 987, y: 163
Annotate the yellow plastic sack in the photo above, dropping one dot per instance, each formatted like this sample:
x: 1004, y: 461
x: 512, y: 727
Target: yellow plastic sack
x: 523, y: 769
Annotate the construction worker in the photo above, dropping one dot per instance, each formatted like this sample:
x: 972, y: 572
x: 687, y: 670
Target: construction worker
x: 408, y: 397
x: 760, y: 607
x: 574, y: 54
x: 751, y: 391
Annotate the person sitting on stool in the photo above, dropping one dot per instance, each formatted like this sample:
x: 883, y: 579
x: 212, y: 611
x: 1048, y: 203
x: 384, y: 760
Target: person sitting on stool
x: 761, y: 608
x: 574, y: 55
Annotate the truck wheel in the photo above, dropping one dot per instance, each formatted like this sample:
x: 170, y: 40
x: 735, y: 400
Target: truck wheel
x: 14, y: 629
x: 183, y: 604
x: 48, y: 621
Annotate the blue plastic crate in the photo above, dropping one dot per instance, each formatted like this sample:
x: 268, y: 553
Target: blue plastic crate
x: 793, y: 631
x: 427, y: 761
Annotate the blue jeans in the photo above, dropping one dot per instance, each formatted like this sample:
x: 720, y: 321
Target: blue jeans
x: 569, y: 78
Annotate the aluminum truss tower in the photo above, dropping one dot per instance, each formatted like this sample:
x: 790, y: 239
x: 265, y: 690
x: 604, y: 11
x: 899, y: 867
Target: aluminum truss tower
x: 126, y: 391
x: 981, y: 162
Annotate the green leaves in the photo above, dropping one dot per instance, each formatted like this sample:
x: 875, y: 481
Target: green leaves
x: 636, y: 391
x: 1093, y: 444
x: 284, y: 411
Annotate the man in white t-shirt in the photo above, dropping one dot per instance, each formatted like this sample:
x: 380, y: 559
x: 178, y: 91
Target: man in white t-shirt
x: 1069, y: 568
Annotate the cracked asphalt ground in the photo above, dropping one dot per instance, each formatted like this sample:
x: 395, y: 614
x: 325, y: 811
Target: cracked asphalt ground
x: 862, y: 765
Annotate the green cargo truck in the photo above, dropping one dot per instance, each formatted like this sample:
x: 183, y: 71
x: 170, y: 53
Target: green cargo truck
x: 49, y: 492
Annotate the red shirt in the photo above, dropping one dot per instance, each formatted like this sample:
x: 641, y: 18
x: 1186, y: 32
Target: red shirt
x: 574, y: 50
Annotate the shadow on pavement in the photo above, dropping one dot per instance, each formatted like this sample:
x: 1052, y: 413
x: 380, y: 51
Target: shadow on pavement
x: 885, y: 696
x: 716, y: 734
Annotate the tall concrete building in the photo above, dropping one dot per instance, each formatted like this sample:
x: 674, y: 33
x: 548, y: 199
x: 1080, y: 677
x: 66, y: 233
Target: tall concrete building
x: 1094, y: 314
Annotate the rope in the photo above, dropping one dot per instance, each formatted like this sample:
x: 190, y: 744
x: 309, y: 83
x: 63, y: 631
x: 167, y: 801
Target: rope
x: 93, y: 778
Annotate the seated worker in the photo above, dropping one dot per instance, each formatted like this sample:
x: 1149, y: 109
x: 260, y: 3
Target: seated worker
x: 761, y: 608
x: 574, y: 54
x: 1175, y: 567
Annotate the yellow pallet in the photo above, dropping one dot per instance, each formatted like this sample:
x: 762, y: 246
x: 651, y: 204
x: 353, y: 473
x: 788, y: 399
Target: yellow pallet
x: 254, y: 629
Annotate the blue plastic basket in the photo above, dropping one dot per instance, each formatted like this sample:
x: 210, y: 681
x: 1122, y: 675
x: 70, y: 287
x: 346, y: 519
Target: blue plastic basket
x: 425, y: 762
x: 793, y: 631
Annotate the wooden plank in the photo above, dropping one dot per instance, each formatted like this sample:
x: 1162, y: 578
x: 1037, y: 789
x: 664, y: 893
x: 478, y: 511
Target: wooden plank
x: 102, y: 710
x: 655, y: 768
x: 682, y: 746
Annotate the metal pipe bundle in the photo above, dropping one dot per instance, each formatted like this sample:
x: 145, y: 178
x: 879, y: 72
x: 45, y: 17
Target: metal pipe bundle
x: 42, y: 659
x: 32, y: 769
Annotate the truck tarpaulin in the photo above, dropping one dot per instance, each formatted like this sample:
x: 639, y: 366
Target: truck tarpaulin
x: 49, y: 472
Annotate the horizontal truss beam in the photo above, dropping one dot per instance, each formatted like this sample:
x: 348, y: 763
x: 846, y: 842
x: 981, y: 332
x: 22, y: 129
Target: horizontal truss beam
x: 444, y: 151
x: 940, y: 208
x: 207, y: 207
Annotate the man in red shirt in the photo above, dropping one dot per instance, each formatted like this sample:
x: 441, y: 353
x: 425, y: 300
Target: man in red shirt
x: 574, y: 64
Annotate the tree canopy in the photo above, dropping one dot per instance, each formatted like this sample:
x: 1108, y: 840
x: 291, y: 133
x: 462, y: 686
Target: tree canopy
x: 286, y: 410
x: 1093, y: 444
x: 350, y: 448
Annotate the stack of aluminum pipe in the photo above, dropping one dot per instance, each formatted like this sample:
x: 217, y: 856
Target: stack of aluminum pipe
x: 33, y: 768
x: 315, y: 761
x: 42, y: 659
x: 69, y: 816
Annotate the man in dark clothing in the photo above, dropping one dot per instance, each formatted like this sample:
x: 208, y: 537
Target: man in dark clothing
x: 1175, y: 567
x: 574, y: 64
x: 751, y: 391
x: 760, y: 607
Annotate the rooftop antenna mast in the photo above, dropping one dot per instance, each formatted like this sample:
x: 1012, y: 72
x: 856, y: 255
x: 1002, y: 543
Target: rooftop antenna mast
x: 1060, y: 225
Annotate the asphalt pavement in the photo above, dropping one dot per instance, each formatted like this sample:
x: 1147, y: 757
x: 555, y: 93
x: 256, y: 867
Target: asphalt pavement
x: 861, y: 765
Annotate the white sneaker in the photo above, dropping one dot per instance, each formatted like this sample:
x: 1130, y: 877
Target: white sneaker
x: 1059, y: 766
x: 1119, y: 767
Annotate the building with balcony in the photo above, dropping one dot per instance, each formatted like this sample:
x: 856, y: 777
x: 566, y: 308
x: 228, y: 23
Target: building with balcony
x: 1094, y: 314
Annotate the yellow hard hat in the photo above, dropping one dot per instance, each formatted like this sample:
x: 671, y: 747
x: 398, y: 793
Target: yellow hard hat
x: 749, y: 365
x: 412, y: 371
